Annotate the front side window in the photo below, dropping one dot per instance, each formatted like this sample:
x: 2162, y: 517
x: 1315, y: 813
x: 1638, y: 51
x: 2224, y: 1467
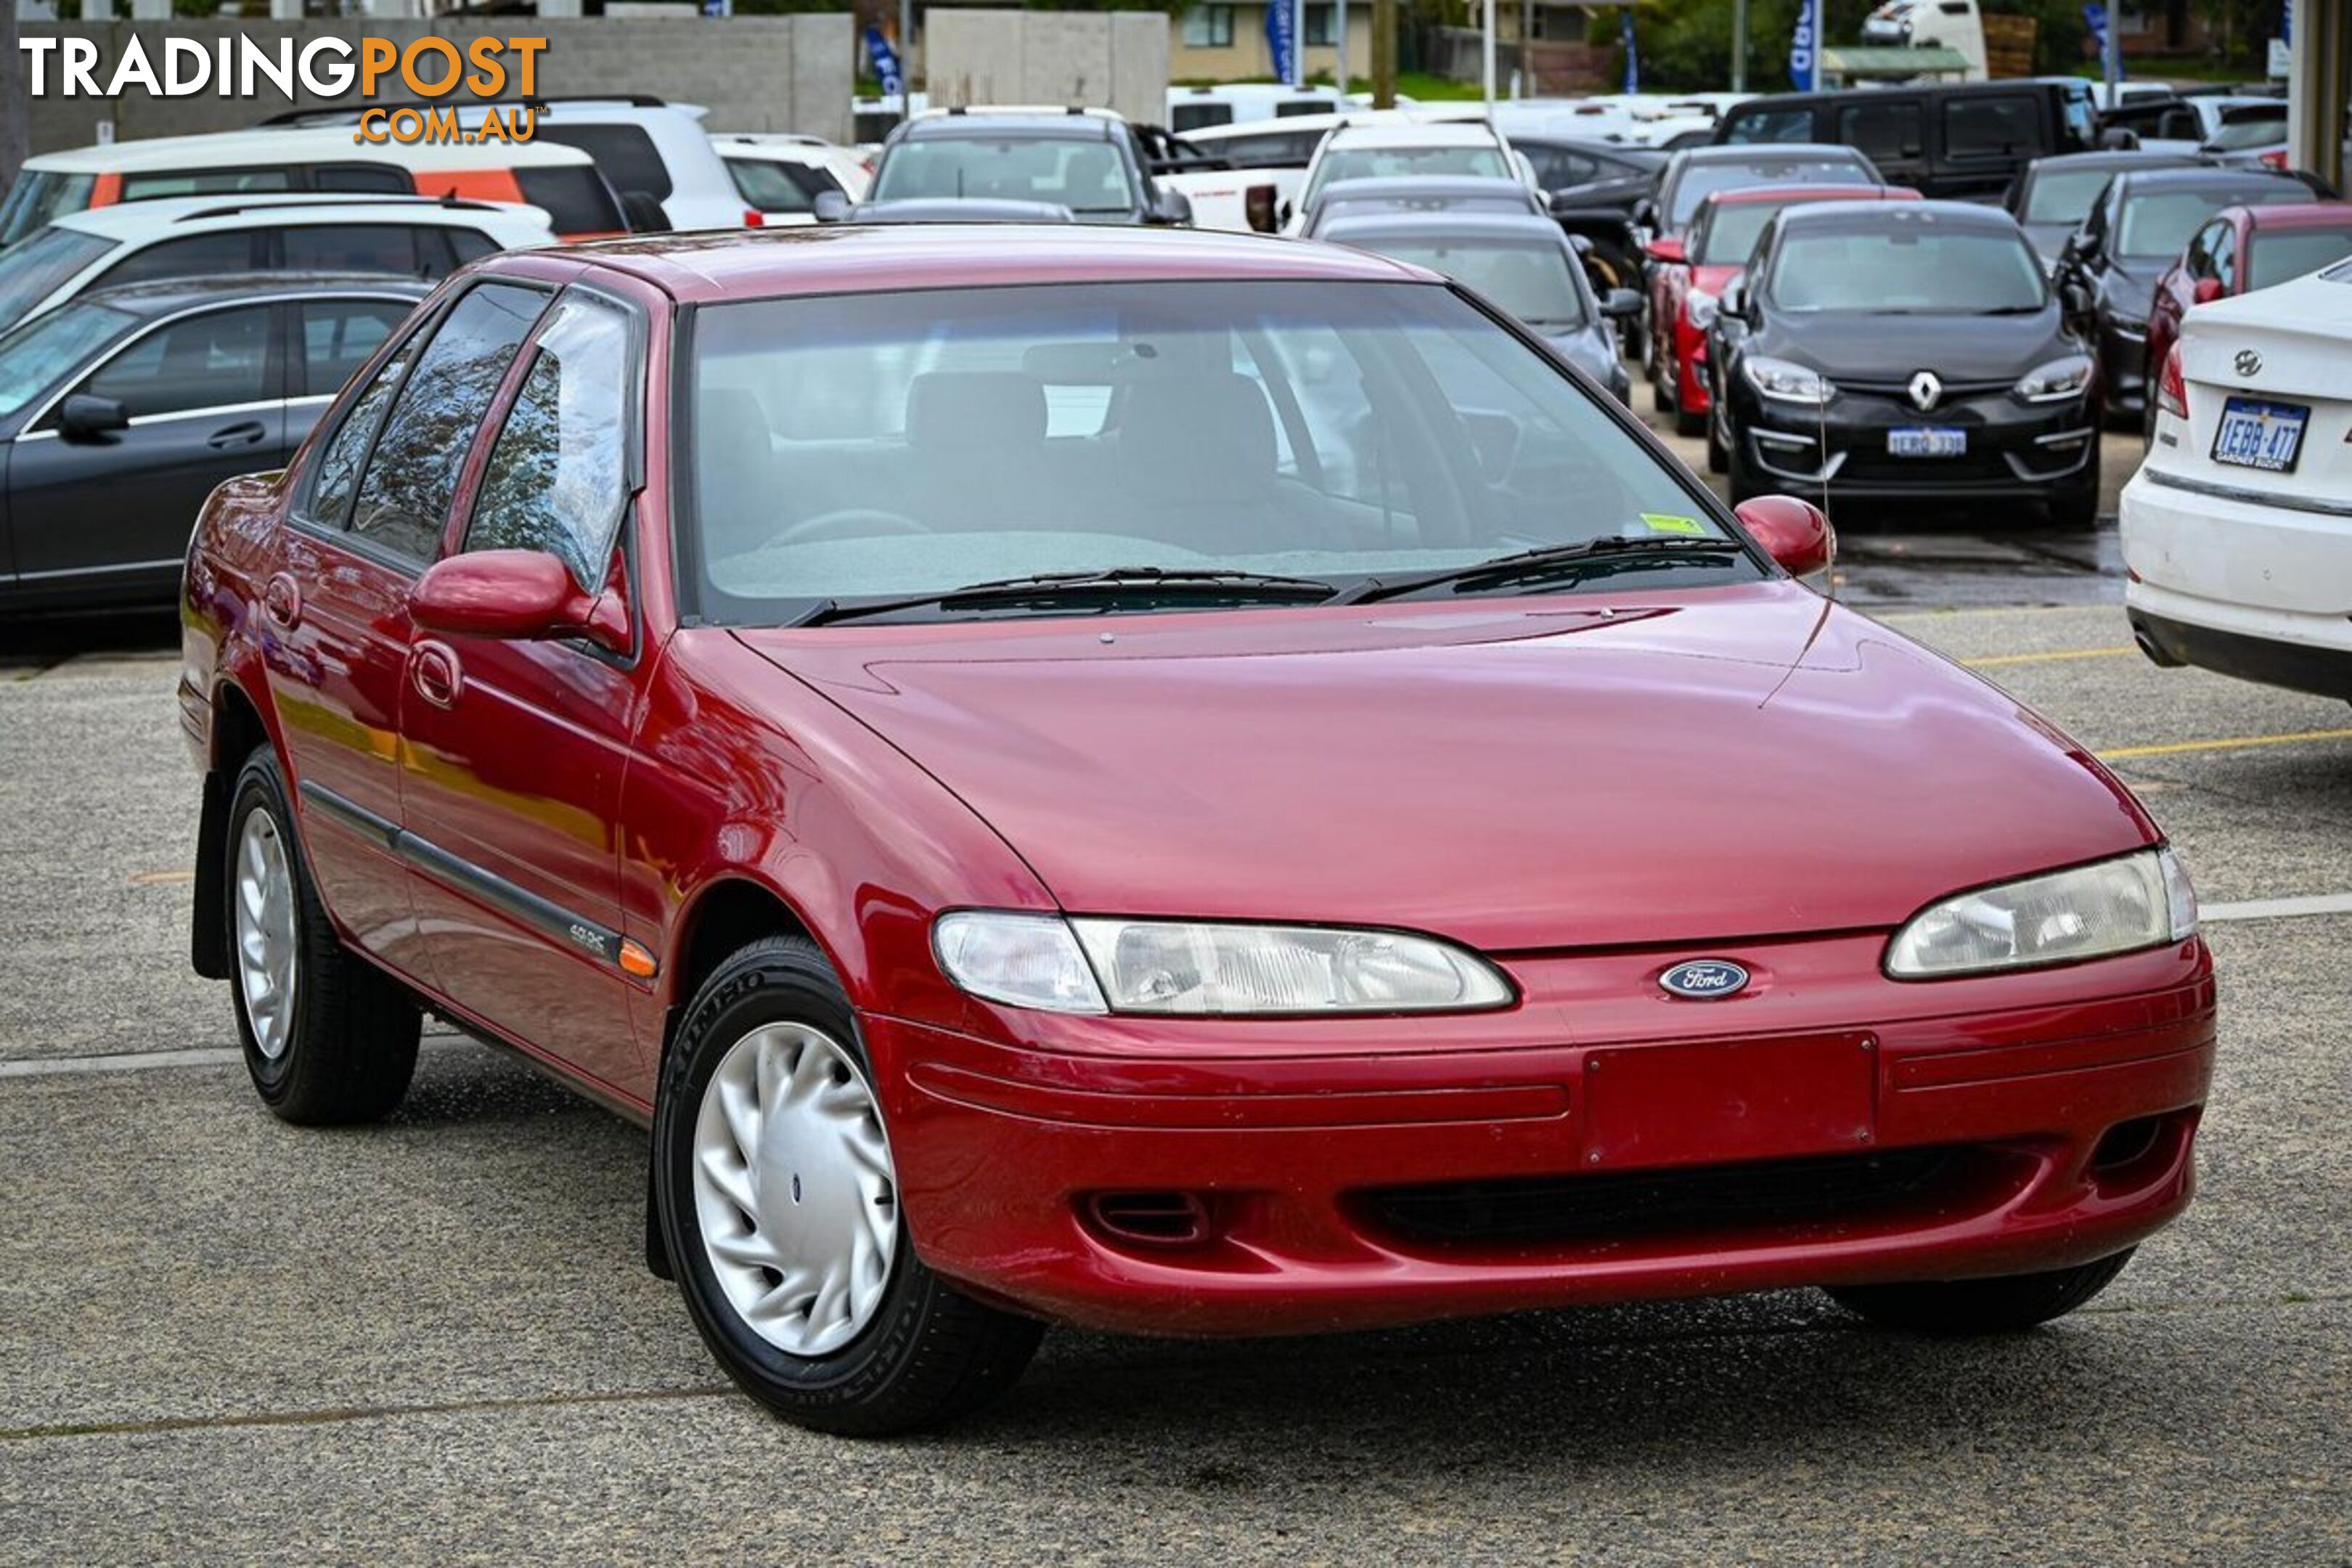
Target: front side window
x: 338, y: 336
x: 411, y: 475
x: 211, y: 361
x: 885, y: 445
x: 769, y: 186
x: 2154, y: 225
x: 36, y: 355
x: 1085, y: 177
x: 557, y: 477
x: 1909, y: 270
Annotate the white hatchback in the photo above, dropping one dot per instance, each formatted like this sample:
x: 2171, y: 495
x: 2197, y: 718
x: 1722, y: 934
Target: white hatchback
x: 2237, y: 531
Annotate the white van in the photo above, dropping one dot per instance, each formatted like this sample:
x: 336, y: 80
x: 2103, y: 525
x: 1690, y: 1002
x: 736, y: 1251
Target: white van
x: 1915, y: 24
x: 1246, y: 102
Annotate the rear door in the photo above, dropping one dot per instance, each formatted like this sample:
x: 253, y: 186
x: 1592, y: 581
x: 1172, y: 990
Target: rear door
x: 205, y: 398
x: 1985, y: 139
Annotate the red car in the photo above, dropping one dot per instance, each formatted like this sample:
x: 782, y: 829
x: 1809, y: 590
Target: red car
x: 1692, y: 272
x: 2239, y: 250
x: 1094, y: 776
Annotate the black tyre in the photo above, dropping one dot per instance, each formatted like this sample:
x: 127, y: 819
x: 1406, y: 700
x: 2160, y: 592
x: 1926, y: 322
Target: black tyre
x: 1661, y: 400
x: 1999, y: 1306
x: 329, y: 1038
x: 1687, y: 423
x: 1736, y: 480
x: 777, y: 1198
x: 1718, y: 458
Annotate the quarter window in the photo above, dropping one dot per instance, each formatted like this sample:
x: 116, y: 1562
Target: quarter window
x: 412, y: 476
x: 206, y: 362
x: 557, y: 479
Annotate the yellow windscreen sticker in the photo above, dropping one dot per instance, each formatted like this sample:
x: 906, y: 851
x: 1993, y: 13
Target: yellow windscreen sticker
x: 1667, y: 522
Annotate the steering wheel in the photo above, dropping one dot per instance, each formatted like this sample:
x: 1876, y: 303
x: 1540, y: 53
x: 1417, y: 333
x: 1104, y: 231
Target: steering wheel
x: 849, y: 522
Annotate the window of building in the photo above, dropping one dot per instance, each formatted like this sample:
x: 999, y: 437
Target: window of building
x: 1209, y: 28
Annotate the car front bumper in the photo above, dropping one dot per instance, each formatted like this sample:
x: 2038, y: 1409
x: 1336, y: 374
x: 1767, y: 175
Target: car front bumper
x: 2015, y: 450
x: 1794, y: 1136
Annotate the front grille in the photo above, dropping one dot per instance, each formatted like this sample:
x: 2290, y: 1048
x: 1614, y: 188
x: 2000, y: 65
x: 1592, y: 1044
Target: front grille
x: 1878, y: 468
x: 1757, y: 1196
x: 1900, y: 391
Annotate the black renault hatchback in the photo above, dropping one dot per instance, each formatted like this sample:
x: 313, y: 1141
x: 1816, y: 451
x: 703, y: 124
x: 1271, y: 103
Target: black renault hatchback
x: 1903, y: 349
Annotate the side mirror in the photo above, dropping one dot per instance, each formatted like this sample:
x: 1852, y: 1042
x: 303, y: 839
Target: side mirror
x: 1172, y: 208
x: 1733, y: 300
x: 1668, y: 250
x: 82, y: 417
x: 516, y: 595
x: 2207, y: 291
x: 2077, y: 299
x: 1792, y: 532
x: 1620, y: 303
x: 831, y: 207
x: 2118, y: 139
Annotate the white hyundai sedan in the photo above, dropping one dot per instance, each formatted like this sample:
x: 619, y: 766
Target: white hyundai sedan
x: 2237, y: 531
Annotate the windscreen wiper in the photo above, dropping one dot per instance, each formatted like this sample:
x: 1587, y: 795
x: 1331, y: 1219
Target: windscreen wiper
x: 1061, y: 587
x: 1544, y: 562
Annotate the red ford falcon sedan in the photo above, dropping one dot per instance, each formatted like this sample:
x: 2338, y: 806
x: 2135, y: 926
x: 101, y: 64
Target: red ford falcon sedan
x: 1180, y: 782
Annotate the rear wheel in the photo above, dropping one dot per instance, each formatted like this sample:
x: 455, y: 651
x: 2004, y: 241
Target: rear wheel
x: 1997, y: 1306
x: 1687, y: 423
x: 778, y: 1198
x: 1718, y: 458
x: 328, y: 1037
x: 1736, y: 480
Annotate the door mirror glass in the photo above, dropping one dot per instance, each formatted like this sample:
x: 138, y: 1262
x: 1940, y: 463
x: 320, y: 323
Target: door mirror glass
x: 520, y: 595
x: 1791, y: 531
x: 1620, y: 304
x: 831, y: 207
x: 1173, y: 209
x: 83, y: 417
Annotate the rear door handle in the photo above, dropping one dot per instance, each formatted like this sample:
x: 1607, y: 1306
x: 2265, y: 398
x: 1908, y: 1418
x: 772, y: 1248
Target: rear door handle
x: 245, y: 433
x: 436, y: 674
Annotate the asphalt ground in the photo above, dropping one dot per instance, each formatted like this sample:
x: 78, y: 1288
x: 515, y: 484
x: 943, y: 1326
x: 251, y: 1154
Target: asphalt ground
x: 226, y: 1339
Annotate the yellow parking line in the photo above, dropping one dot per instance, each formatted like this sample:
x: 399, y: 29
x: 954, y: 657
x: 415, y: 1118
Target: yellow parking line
x: 2232, y: 743
x: 2000, y: 658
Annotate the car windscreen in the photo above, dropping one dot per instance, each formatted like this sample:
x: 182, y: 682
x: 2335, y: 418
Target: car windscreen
x: 1732, y: 230
x: 1390, y: 162
x: 2244, y: 132
x: 2064, y: 196
x: 31, y: 272
x: 2278, y: 254
x: 1907, y: 269
x: 39, y: 197
x: 2156, y: 225
x: 902, y: 443
x: 1700, y: 181
x: 35, y: 354
x: 1528, y: 278
x: 1085, y: 177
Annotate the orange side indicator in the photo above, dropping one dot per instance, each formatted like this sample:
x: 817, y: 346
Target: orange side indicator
x: 636, y: 959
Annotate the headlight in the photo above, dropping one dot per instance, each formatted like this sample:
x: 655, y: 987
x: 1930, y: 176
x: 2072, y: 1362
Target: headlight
x: 1788, y: 382
x: 1699, y: 306
x: 2057, y: 381
x: 1090, y: 965
x: 2115, y: 906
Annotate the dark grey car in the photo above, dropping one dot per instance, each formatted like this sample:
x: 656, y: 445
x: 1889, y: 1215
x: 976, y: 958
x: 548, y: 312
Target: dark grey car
x: 1524, y: 265
x: 120, y: 411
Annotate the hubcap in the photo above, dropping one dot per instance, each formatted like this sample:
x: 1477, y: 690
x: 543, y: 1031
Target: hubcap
x: 264, y: 934
x: 793, y: 1189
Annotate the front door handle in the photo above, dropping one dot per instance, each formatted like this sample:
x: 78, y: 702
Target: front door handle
x: 436, y: 674
x: 246, y: 433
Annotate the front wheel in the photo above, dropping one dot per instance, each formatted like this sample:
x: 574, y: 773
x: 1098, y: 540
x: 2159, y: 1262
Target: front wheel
x: 1998, y: 1306
x: 777, y: 1195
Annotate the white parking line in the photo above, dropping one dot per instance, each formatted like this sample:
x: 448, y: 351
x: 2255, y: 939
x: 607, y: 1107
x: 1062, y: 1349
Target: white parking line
x: 2278, y: 908
x: 128, y: 1061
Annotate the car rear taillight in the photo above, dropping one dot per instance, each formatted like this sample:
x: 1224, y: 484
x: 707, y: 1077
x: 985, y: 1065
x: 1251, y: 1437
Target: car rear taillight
x: 2171, y: 386
x: 754, y: 218
x: 2276, y: 159
x: 1257, y: 203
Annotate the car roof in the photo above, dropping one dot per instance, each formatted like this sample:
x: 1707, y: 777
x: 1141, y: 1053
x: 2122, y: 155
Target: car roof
x: 1425, y: 187
x: 1953, y: 215
x: 1770, y: 152
x: 1416, y: 133
x: 2113, y: 158
x: 2296, y: 215
x: 1041, y: 126
x: 321, y: 144
x: 194, y: 215
x: 717, y: 266
x: 1438, y: 226
x: 2200, y: 177
x: 1748, y: 195
x: 174, y: 295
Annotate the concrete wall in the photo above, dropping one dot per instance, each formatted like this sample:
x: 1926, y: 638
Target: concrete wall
x: 1104, y: 60
x: 754, y: 73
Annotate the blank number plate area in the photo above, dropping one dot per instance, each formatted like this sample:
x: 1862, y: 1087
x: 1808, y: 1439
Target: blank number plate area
x: 2258, y: 433
x: 1737, y: 1099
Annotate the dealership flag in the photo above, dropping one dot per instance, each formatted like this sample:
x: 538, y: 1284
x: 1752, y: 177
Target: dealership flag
x: 1804, y: 47
x: 1282, y: 38
x: 886, y: 62
x: 1633, y: 63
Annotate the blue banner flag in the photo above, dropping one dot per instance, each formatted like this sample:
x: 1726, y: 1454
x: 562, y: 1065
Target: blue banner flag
x: 1281, y: 40
x: 1805, y: 47
x: 885, y: 60
x: 1632, y: 59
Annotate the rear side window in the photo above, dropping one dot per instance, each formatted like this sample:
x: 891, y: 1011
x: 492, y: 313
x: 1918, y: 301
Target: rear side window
x: 1792, y: 124
x: 577, y: 199
x: 369, y: 179
x: 467, y: 244
x: 770, y: 186
x: 411, y: 475
x: 1557, y: 168
x: 337, y: 337
x: 557, y: 478
x: 1273, y: 150
x: 206, y: 362
x: 625, y: 152
x: 1993, y: 127
x: 353, y: 247
x: 1883, y: 133
x: 206, y: 183
x: 228, y: 250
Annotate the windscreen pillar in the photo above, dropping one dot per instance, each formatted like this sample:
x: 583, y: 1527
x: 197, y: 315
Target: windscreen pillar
x: 2317, y: 83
